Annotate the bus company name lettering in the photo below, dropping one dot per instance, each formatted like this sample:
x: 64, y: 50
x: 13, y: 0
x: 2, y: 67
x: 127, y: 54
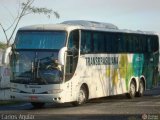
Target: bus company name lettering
x: 101, y: 61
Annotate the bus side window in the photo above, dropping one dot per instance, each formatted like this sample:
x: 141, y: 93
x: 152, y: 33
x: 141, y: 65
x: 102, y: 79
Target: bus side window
x: 114, y: 41
x: 86, y: 42
x: 73, y: 43
x: 111, y: 42
x: 139, y: 43
x: 107, y: 43
x: 155, y: 43
x: 136, y: 44
x: 98, y: 42
x: 129, y: 42
x: 95, y: 42
x: 149, y: 44
x: 121, y: 43
x: 144, y: 44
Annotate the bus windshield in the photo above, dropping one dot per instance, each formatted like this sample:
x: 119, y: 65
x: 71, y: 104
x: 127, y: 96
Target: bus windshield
x: 40, y: 39
x: 34, y: 57
x: 34, y: 67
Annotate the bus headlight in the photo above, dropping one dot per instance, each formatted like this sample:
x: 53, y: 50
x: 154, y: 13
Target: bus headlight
x: 55, y: 91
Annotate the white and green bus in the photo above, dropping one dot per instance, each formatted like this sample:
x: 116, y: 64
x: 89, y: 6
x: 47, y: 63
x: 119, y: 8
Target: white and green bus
x: 80, y: 60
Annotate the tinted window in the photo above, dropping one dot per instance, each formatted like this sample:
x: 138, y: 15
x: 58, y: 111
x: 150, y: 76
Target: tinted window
x: 122, y: 43
x: 98, y: 42
x: 40, y: 40
x: 109, y: 42
x: 86, y: 45
x: 155, y: 44
x: 73, y: 42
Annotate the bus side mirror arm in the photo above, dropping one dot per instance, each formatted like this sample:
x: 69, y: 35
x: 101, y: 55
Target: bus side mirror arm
x: 61, y: 55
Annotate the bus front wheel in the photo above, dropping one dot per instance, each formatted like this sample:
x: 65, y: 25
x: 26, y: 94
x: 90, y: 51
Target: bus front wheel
x: 37, y: 104
x: 82, y: 97
x: 132, y: 90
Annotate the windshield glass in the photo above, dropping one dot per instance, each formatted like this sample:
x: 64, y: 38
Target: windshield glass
x: 34, y: 67
x: 34, y: 56
x: 40, y: 39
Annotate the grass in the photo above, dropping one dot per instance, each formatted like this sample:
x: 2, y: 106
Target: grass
x: 3, y: 45
x: 4, y: 103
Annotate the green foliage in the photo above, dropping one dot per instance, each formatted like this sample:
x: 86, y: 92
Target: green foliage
x: 4, y: 103
x: 3, y: 45
x: 29, y: 8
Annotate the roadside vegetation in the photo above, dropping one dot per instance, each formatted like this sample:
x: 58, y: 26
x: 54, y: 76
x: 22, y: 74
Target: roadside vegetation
x: 4, y: 103
x: 3, y: 45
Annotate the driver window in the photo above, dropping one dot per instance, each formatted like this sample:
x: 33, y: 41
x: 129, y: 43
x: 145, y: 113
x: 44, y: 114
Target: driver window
x: 72, y: 55
x: 73, y: 43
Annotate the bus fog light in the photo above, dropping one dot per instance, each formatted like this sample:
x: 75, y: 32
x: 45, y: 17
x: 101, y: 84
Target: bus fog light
x: 55, y: 91
x: 12, y: 97
x: 57, y: 99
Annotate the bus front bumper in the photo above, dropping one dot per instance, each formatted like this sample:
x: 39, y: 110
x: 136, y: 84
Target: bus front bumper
x: 53, y: 98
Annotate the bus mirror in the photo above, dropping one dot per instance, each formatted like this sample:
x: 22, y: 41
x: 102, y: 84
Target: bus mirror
x: 6, y: 55
x: 61, y: 55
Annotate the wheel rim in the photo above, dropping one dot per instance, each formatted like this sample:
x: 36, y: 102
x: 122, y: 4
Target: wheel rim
x: 132, y: 89
x: 81, y: 97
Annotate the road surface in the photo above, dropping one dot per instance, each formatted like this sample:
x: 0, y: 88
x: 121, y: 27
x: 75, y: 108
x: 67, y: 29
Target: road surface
x: 114, y: 107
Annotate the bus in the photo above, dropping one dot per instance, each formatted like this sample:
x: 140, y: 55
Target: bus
x: 78, y: 60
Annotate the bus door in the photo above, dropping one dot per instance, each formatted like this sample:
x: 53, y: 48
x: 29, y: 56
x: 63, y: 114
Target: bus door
x: 71, y: 60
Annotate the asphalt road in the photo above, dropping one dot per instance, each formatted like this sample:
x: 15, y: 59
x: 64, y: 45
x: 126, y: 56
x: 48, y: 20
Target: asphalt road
x: 114, y: 107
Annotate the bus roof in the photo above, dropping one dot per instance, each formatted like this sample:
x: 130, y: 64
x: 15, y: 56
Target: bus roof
x: 85, y: 25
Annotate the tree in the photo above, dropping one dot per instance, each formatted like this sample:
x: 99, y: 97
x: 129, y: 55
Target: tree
x: 26, y: 8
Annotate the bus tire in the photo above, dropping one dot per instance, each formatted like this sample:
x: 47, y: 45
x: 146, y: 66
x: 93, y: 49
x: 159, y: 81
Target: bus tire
x: 141, y: 89
x: 82, y: 96
x: 132, y: 90
x: 37, y: 104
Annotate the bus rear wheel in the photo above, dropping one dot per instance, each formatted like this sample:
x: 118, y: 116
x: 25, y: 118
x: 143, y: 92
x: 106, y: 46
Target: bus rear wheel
x: 37, y: 104
x: 82, y: 97
x: 140, y: 90
x: 132, y: 90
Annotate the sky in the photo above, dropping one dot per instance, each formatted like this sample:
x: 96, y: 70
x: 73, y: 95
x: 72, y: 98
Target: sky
x: 126, y: 14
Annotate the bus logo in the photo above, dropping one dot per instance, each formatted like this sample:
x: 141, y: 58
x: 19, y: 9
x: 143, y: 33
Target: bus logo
x: 33, y: 91
x: 101, y: 61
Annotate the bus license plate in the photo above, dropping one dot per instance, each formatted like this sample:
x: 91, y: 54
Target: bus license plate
x: 33, y: 98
